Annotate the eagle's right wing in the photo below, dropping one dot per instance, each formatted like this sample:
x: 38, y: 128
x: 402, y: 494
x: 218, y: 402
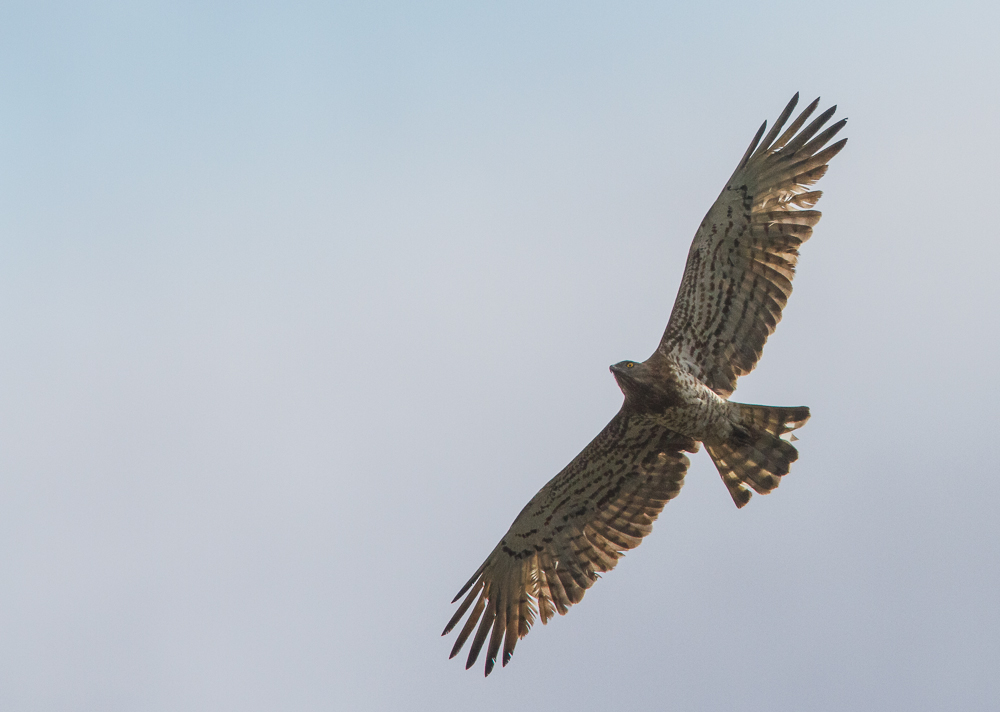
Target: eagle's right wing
x: 602, y: 504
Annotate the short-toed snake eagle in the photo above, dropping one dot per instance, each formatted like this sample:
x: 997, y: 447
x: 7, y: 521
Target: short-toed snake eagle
x: 737, y: 280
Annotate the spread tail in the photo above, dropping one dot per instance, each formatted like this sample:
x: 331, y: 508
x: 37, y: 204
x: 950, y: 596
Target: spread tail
x: 756, y: 454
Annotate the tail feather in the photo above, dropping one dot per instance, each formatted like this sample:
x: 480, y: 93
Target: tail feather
x: 757, y: 453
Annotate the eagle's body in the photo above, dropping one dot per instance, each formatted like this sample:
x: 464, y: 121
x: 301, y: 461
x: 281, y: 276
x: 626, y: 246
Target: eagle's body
x: 662, y: 388
x: 735, y: 284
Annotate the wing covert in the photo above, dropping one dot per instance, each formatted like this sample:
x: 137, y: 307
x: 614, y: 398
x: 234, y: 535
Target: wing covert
x: 578, y: 525
x: 739, y: 271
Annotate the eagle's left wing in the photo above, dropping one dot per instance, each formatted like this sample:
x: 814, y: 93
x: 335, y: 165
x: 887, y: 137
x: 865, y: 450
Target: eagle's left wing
x: 602, y: 504
x: 739, y: 271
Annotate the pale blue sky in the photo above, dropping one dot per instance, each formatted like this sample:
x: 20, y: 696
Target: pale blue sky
x: 302, y: 302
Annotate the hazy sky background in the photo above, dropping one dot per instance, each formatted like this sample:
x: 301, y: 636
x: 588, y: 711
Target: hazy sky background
x: 301, y: 303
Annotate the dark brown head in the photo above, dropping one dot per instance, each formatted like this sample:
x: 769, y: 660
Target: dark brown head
x: 641, y: 384
x: 632, y: 377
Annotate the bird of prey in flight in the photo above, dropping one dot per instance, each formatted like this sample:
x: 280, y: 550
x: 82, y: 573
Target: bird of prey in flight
x: 737, y: 280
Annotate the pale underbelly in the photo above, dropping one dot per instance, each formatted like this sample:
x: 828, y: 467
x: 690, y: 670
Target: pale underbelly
x: 702, y: 414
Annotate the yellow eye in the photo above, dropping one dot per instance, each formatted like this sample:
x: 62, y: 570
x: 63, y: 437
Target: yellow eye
x: 629, y: 365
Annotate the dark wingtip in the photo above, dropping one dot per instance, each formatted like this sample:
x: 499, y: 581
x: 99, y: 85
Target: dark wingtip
x: 837, y: 147
x: 790, y: 107
x: 825, y: 116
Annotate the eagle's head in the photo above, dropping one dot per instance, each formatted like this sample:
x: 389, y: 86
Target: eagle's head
x: 641, y: 384
x: 632, y: 377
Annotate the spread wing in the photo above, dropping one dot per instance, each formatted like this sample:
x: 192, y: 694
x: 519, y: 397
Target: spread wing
x: 739, y: 270
x: 602, y: 504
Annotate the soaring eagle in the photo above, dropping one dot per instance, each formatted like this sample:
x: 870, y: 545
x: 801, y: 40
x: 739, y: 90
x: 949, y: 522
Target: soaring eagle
x: 737, y: 280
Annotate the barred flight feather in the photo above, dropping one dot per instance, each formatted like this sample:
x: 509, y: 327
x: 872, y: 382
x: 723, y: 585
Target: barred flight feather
x: 574, y: 529
x: 749, y: 240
